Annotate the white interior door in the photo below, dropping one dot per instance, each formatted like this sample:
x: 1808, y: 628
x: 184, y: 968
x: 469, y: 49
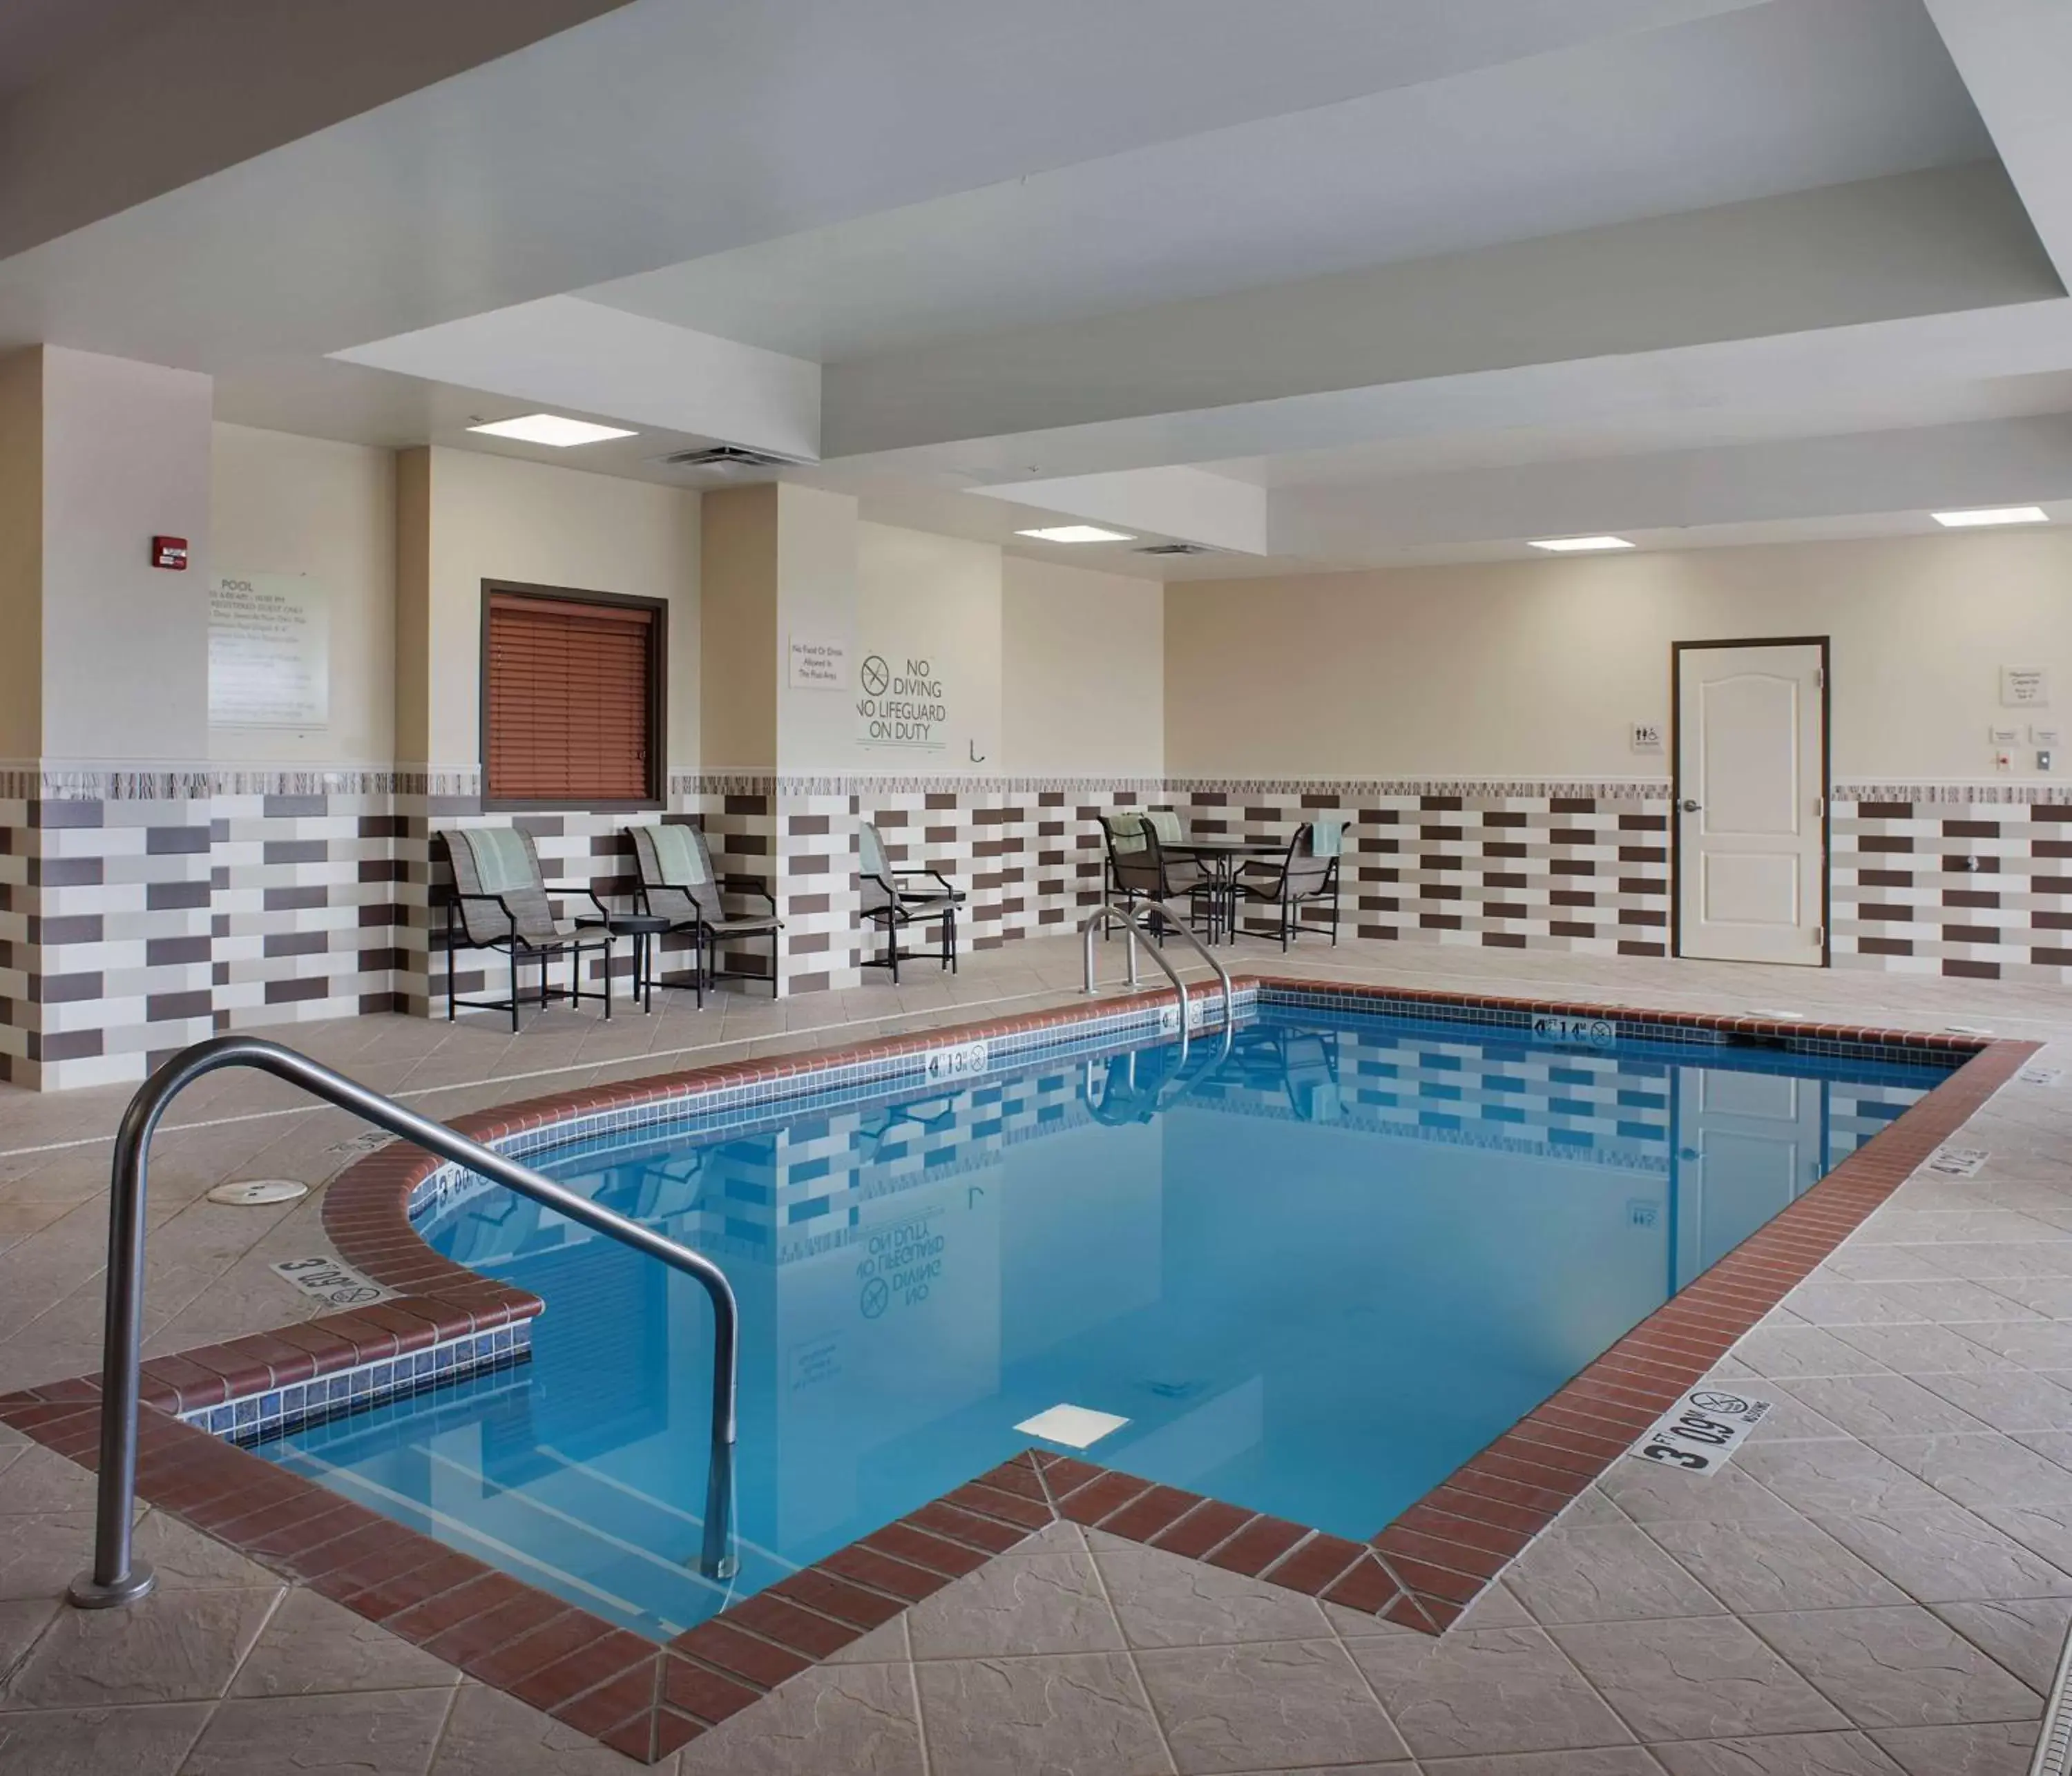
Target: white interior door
x: 1747, y: 1144
x: 1751, y: 819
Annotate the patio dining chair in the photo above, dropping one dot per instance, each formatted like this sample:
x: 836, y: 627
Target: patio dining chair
x: 891, y: 905
x: 1307, y: 874
x: 500, y: 902
x: 1139, y: 870
x: 679, y: 883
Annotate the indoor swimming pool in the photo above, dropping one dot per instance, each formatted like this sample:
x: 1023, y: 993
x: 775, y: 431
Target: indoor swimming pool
x: 1308, y: 1271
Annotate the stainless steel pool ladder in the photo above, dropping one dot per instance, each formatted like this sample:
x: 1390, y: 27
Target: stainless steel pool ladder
x: 117, y: 1576
x: 1123, y: 913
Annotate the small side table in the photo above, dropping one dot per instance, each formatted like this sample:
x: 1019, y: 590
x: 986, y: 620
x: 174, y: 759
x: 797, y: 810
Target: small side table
x: 646, y: 929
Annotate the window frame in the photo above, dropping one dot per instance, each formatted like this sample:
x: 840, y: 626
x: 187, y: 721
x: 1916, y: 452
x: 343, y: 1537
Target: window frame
x: 658, y: 697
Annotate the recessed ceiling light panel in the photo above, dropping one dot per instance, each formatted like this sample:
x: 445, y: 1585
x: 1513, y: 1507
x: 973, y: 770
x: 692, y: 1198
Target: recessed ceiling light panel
x: 1579, y: 545
x: 551, y: 428
x: 1979, y: 517
x: 1077, y: 533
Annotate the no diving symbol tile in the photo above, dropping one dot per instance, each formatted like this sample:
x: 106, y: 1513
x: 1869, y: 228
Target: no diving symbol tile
x: 877, y: 1297
x: 1701, y: 1433
x: 331, y: 1281
x: 1957, y: 1162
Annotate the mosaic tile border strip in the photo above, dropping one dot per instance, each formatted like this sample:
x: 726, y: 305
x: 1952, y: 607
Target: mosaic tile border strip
x: 1420, y: 1572
x: 252, y: 1418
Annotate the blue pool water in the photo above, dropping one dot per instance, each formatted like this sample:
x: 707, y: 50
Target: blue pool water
x: 1313, y: 1276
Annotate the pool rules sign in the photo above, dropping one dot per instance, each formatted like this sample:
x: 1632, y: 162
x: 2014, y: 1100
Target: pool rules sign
x: 1701, y: 1430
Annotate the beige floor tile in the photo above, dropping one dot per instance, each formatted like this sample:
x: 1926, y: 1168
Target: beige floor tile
x: 1945, y: 1554
x: 2025, y: 1634
x: 1708, y: 1679
x: 392, y: 1735
x: 1600, y: 1760
x: 311, y: 1644
x: 1485, y: 1692
x: 488, y: 1734
x: 1164, y: 1601
x: 1019, y: 1603
x: 133, y: 1741
x: 1979, y: 1471
x: 1897, y: 1667
x: 1791, y: 1754
x: 1614, y: 1572
x: 174, y: 1647
x: 1764, y: 1566
x: 1988, y: 1750
x: 2007, y: 1400
x: 1049, y: 1716
x: 1871, y: 1406
x: 1285, y: 1703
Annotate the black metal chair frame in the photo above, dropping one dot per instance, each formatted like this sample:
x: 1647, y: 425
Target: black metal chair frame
x: 1254, y: 892
x: 523, y: 949
x: 706, y: 938
x: 904, y: 907
x: 1203, y: 896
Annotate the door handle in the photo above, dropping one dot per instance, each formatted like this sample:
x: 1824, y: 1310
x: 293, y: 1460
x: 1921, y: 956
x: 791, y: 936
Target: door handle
x: 1689, y: 806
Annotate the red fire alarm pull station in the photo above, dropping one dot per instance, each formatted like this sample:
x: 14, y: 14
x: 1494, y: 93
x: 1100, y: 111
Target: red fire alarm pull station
x: 170, y: 552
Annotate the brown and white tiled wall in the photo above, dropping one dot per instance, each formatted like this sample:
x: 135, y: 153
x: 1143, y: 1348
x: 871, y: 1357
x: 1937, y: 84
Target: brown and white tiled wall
x: 140, y: 911
x: 1954, y: 879
x: 105, y: 908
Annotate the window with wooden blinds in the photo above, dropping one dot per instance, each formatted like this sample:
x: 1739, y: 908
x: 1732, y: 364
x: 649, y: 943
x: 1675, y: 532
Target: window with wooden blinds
x: 571, y: 697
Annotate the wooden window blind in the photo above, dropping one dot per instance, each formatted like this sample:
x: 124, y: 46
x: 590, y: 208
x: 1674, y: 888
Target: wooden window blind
x: 570, y: 700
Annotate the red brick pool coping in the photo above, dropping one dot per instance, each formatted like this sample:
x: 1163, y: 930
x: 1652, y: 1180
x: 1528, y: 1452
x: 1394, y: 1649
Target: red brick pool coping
x: 1420, y: 1572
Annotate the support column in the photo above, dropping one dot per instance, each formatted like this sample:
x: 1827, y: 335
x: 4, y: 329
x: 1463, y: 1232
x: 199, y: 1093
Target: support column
x: 779, y: 563
x: 104, y: 920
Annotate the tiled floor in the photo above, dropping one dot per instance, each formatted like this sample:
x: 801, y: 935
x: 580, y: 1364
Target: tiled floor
x: 1879, y: 1584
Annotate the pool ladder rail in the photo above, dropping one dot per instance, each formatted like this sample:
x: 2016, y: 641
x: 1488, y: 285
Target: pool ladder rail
x: 117, y: 1576
x: 1134, y: 926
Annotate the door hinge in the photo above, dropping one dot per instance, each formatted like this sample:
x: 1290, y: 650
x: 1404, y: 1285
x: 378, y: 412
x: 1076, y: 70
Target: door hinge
x: 1819, y: 678
x: 1820, y: 934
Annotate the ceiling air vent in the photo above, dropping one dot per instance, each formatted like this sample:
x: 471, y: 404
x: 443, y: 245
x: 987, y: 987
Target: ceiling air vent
x: 726, y: 457
x: 1176, y: 549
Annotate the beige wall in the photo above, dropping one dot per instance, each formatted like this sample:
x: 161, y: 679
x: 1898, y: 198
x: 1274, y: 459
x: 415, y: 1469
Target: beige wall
x: 932, y: 602
x: 284, y: 505
x: 738, y: 599
x: 815, y: 600
x: 491, y: 517
x: 1538, y: 669
x: 1084, y: 682
x: 22, y: 556
x: 126, y: 457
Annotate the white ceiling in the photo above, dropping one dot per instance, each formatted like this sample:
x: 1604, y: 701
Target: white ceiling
x: 1744, y: 104
x: 1408, y: 279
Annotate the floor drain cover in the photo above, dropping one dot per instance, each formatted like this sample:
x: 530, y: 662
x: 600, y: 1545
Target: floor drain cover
x: 255, y: 1191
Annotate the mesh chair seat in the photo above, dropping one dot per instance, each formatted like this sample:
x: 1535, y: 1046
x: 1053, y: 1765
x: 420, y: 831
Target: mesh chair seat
x: 1307, y: 872
x: 1140, y: 869
x: 888, y: 901
x: 748, y: 925
x: 679, y: 883
x: 501, y: 901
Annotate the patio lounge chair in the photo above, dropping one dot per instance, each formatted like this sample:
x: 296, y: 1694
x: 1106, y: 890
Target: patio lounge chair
x: 499, y: 901
x: 1308, y: 874
x: 678, y: 883
x: 893, y: 907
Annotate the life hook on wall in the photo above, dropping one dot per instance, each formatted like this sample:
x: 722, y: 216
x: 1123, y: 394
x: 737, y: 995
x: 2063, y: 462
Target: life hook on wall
x: 977, y: 757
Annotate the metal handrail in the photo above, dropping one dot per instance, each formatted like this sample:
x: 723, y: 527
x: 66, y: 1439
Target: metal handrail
x: 117, y: 1576
x: 1127, y: 914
